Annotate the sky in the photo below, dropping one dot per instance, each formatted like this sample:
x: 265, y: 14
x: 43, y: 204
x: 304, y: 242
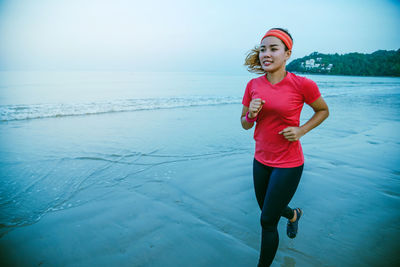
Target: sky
x: 183, y: 35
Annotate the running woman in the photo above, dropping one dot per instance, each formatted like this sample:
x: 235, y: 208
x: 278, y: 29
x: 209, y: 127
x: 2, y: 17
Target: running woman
x: 274, y: 102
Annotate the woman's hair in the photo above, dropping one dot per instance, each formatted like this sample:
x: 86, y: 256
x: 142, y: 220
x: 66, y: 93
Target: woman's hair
x: 252, y: 60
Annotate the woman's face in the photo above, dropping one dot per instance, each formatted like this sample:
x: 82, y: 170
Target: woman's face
x: 272, y: 54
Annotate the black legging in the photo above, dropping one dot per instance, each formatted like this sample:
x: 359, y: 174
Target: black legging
x: 274, y: 188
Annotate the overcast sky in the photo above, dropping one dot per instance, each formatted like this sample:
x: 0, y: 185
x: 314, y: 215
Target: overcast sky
x: 175, y: 35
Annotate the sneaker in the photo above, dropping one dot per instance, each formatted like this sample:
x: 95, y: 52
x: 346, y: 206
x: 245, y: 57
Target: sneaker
x: 291, y: 227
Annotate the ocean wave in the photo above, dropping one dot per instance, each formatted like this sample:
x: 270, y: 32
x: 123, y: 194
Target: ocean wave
x: 54, y: 110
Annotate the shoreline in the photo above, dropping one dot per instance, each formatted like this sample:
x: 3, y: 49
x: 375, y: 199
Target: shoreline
x: 343, y: 75
x: 169, y: 187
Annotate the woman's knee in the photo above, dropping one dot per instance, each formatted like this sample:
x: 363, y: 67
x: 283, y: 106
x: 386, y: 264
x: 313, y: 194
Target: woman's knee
x: 269, y: 223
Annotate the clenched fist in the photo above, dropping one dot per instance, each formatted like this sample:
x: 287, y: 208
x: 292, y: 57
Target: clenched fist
x: 255, y: 107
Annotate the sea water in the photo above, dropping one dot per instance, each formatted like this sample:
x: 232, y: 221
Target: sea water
x: 45, y: 160
x: 65, y: 135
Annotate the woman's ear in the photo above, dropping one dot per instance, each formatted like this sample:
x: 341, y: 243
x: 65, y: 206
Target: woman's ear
x: 288, y: 54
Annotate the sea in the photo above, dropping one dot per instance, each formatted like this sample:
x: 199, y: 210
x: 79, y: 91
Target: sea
x: 65, y: 135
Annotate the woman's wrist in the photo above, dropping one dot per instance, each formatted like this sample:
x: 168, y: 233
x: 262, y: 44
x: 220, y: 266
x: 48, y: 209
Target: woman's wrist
x: 249, y: 119
x: 303, y: 130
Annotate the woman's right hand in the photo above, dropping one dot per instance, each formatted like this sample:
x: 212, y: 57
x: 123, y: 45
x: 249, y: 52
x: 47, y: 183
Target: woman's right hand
x: 255, y: 107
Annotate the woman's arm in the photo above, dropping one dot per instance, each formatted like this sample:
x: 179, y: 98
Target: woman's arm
x: 321, y: 112
x: 245, y: 124
x: 253, y: 109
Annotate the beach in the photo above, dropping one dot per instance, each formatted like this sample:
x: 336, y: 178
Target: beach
x: 168, y: 181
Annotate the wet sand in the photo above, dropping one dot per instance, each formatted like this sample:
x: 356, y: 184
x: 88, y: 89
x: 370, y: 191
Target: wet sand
x: 187, y: 199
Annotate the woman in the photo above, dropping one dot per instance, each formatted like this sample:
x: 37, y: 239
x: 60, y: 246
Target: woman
x: 274, y: 101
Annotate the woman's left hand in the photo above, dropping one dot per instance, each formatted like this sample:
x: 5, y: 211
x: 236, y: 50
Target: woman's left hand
x: 292, y: 133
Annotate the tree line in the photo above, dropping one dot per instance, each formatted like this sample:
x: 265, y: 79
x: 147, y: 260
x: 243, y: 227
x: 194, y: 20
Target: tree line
x: 379, y: 63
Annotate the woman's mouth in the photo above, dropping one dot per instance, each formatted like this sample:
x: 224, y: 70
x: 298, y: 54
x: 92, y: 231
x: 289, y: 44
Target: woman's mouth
x: 267, y: 63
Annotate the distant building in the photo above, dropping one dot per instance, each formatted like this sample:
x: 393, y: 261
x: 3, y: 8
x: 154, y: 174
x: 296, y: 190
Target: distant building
x: 310, y: 63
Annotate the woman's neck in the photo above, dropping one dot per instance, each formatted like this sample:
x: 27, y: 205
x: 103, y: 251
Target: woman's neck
x: 277, y: 76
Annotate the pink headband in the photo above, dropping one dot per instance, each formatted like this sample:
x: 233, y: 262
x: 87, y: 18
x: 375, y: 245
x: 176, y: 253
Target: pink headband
x: 281, y: 35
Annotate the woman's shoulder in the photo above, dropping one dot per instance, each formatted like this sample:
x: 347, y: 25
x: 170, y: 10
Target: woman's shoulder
x: 308, y: 88
x: 255, y: 81
x: 297, y: 77
x: 301, y: 81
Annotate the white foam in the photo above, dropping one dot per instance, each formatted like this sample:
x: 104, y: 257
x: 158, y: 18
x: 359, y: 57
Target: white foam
x: 37, y: 111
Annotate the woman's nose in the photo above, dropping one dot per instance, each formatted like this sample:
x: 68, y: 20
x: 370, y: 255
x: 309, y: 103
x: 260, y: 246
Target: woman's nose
x: 266, y: 54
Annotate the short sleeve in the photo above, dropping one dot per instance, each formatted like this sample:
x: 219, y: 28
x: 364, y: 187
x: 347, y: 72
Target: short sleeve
x: 247, y: 95
x: 310, y: 91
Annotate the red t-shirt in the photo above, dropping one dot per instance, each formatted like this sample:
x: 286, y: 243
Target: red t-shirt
x: 283, y: 104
